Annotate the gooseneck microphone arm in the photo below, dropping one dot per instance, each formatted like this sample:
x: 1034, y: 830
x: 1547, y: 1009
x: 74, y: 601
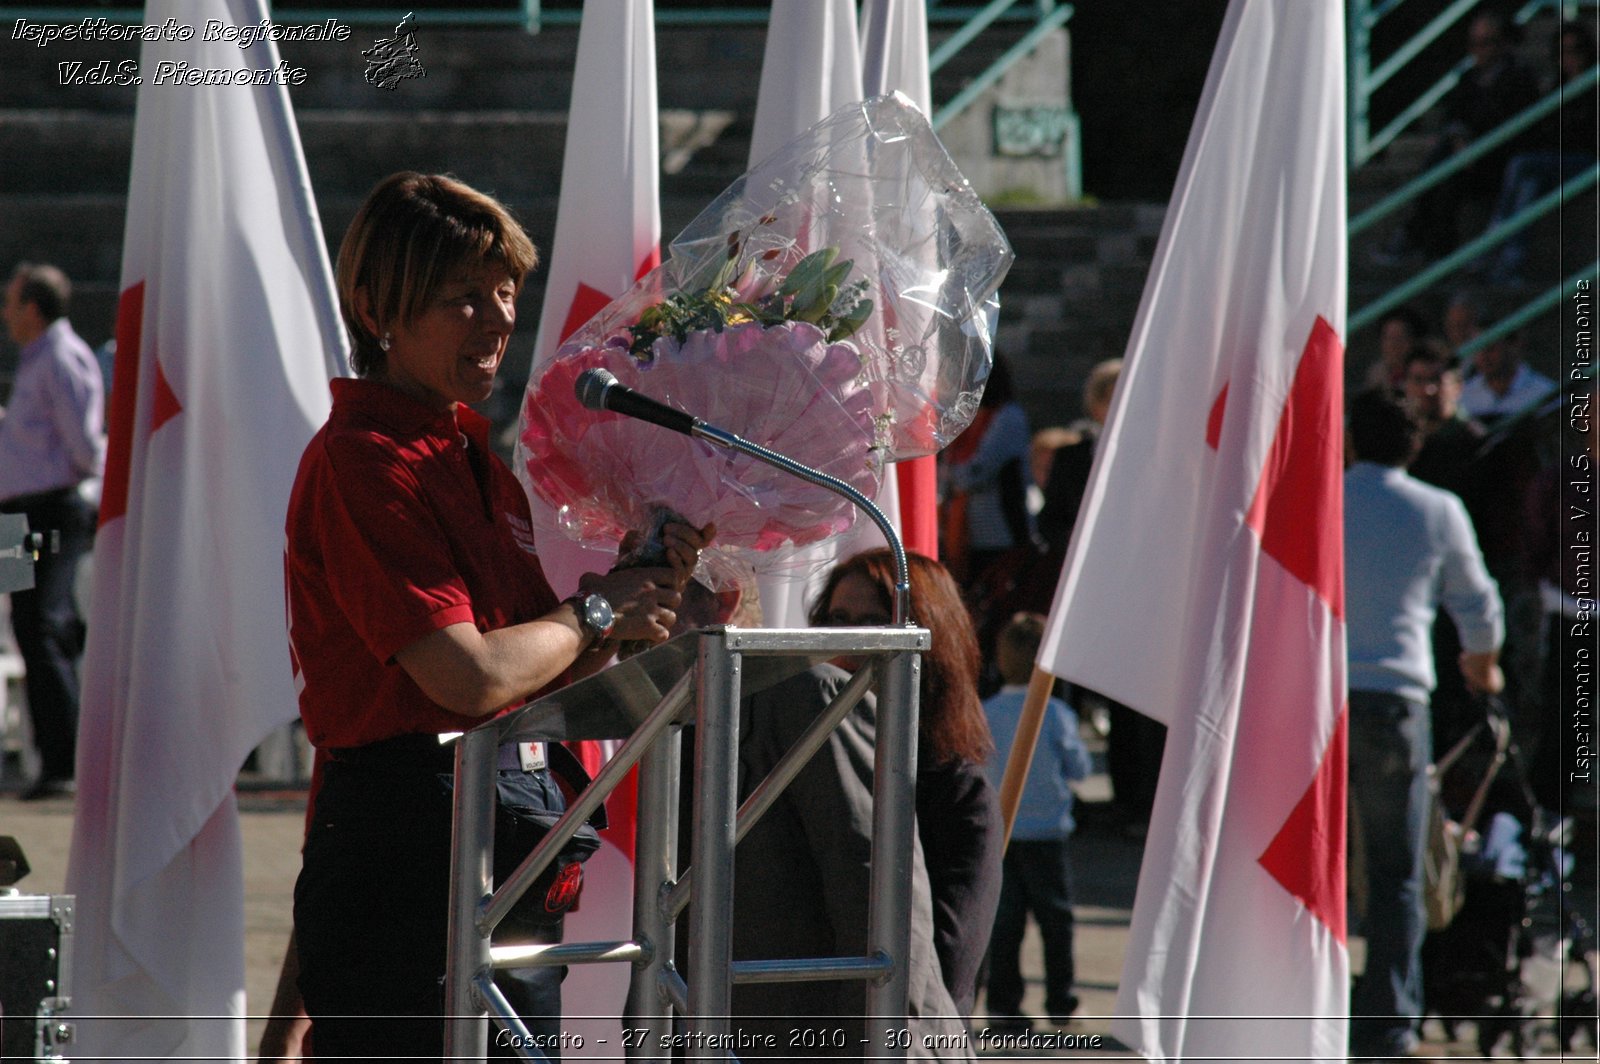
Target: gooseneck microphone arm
x: 902, y: 586
x: 600, y: 390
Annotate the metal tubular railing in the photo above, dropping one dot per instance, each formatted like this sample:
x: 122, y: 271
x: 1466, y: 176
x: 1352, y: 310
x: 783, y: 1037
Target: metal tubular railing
x: 969, y: 32
x: 715, y: 791
x: 1464, y: 158
x: 532, y: 15
x: 1539, y: 304
x: 984, y: 81
x: 717, y: 678
x: 1363, y: 144
x: 471, y: 878
x: 1587, y: 181
x: 578, y: 814
x: 655, y: 855
x: 782, y: 774
x: 1047, y: 16
x: 502, y: 1010
x: 894, y: 826
x: 1470, y: 251
x: 808, y: 969
x: 1408, y: 51
x: 1363, y: 16
x: 1375, y: 143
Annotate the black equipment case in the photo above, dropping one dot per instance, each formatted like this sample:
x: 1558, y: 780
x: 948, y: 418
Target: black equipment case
x: 35, y: 975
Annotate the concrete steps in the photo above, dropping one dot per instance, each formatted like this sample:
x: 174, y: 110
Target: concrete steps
x: 1070, y: 298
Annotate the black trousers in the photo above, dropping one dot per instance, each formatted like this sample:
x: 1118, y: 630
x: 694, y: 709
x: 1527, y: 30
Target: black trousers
x: 1037, y: 879
x: 370, y: 910
x: 47, y: 624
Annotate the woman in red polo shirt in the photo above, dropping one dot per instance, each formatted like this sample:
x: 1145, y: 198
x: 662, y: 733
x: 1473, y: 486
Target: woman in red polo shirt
x: 417, y: 605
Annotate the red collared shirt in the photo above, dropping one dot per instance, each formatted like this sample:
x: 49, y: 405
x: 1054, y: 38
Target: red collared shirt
x: 396, y: 529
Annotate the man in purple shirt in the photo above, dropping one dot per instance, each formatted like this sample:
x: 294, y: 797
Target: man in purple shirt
x: 52, y: 441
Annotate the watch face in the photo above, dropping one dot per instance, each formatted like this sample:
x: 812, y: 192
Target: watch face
x: 597, y: 615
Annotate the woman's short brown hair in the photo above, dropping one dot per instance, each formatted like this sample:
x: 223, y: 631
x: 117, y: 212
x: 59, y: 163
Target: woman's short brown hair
x: 410, y: 236
x: 952, y: 722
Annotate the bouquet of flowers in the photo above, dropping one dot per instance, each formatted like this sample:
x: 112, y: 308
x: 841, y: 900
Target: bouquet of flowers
x: 835, y: 304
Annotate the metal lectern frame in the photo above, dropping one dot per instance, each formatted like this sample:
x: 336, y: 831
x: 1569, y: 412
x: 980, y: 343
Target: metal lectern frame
x: 699, y: 677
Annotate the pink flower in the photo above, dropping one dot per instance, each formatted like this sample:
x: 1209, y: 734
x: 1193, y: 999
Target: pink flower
x: 783, y: 387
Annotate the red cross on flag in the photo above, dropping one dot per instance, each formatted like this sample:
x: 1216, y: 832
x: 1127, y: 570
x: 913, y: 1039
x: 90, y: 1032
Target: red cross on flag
x: 1205, y: 584
x: 227, y: 334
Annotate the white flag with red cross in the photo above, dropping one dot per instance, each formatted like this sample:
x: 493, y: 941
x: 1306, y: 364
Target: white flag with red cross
x: 227, y: 334
x: 608, y: 222
x: 1205, y: 585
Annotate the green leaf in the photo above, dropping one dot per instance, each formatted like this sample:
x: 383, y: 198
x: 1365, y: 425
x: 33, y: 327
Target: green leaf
x: 808, y: 272
x: 817, y: 307
x: 836, y: 273
x: 847, y: 325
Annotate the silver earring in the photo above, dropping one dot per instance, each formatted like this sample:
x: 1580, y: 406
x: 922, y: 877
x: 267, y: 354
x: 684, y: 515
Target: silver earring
x: 387, y: 341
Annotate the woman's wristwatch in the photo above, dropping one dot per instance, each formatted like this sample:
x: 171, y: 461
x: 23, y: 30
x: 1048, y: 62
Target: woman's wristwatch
x: 595, y: 615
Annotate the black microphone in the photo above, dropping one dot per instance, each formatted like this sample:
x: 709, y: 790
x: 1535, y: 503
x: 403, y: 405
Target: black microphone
x: 599, y: 390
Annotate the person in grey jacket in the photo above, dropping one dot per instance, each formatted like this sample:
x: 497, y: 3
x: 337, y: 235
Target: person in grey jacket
x: 801, y: 878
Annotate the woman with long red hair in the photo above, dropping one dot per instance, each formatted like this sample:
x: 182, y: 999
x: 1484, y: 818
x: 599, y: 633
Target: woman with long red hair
x: 958, y: 813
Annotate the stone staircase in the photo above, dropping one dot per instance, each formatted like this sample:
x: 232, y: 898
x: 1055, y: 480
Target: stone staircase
x: 493, y: 110
x: 1070, y: 298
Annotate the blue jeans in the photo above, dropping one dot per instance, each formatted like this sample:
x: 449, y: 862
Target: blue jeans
x: 1390, y: 748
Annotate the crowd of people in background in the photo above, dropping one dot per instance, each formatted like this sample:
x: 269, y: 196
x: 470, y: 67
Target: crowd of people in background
x: 1011, y: 500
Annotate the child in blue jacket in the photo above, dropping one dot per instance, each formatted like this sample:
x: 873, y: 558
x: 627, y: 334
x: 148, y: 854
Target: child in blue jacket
x: 1037, y: 873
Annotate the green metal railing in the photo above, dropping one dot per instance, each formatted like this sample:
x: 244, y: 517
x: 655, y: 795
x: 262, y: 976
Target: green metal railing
x: 1543, y: 303
x: 1363, y: 81
x: 1364, y: 143
x: 1511, y: 127
x: 1048, y: 17
x: 532, y: 15
x: 1470, y: 251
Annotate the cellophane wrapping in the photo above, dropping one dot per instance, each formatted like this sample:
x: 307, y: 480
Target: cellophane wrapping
x: 885, y: 363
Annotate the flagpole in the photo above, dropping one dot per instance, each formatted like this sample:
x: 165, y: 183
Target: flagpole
x: 1016, y: 775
